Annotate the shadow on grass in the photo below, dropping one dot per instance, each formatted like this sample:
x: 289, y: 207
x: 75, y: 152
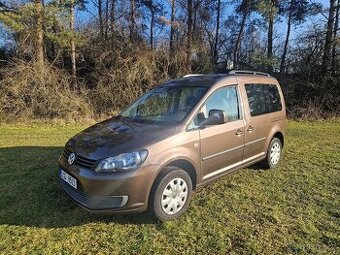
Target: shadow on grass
x: 257, y: 166
x: 30, y: 193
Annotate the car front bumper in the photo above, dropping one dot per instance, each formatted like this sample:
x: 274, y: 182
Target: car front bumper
x: 94, y: 202
x: 109, y: 192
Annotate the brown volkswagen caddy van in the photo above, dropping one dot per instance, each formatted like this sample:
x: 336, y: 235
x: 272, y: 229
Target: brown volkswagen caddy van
x: 175, y: 138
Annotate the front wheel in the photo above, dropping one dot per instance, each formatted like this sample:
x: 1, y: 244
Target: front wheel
x: 171, y: 194
x: 274, y: 153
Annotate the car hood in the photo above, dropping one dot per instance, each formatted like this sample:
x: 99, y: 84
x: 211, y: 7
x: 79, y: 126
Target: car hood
x: 114, y: 136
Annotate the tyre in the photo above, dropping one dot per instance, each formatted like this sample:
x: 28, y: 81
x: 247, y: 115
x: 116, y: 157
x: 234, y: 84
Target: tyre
x: 171, y: 194
x: 274, y: 153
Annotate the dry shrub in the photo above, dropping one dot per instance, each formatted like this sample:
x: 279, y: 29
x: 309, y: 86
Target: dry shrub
x: 31, y: 92
x: 311, y: 99
x: 130, y: 77
x: 136, y: 71
x: 308, y: 110
x: 312, y: 110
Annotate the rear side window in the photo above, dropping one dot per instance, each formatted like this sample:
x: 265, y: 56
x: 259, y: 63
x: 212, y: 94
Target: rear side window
x: 263, y: 98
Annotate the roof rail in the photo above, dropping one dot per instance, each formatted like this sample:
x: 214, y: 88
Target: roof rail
x: 234, y: 72
x: 192, y: 75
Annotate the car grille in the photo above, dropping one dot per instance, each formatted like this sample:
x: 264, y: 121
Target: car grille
x: 81, y: 161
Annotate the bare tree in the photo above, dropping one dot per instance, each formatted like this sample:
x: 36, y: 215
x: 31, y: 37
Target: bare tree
x: 106, y: 26
x: 132, y: 21
x: 73, y: 45
x: 195, y: 9
x: 152, y: 8
x: 297, y: 10
x: 189, y: 36
x: 336, y: 27
x: 328, y: 39
x: 152, y: 23
x: 39, y: 32
x: 100, y: 16
x: 218, y: 10
x: 113, y: 22
x: 289, y: 25
x: 244, y: 9
x: 172, y: 28
x: 271, y: 18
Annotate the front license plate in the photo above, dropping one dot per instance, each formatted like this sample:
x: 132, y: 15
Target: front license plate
x: 68, y: 178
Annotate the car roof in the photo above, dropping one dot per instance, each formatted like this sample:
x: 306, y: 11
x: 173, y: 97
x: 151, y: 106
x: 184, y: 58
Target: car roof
x: 201, y: 80
x: 208, y: 80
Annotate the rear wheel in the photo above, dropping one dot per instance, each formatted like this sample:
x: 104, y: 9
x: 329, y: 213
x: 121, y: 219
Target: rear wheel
x: 171, y: 194
x: 273, y: 153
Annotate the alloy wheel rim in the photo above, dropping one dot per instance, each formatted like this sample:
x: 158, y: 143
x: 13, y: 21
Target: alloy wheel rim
x: 275, y: 153
x: 174, y: 196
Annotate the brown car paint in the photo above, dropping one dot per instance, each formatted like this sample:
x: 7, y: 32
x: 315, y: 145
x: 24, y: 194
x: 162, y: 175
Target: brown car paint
x: 203, y: 152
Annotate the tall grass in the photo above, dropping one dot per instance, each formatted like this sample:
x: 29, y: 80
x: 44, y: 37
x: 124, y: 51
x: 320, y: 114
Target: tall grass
x: 127, y: 79
x: 29, y: 92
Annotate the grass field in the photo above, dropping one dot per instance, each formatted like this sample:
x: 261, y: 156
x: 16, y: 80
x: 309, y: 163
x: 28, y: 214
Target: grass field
x: 294, y: 209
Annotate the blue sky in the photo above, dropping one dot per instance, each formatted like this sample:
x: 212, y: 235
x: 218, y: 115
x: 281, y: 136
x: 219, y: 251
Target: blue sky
x: 91, y: 12
x: 82, y: 17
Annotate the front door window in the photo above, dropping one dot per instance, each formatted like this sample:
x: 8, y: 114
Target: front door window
x: 225, y: 99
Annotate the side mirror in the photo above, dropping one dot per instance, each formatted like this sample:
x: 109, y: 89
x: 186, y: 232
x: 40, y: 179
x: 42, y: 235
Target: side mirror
x: 138, y: 110
x: 199, y: 118
x: 216, y: 117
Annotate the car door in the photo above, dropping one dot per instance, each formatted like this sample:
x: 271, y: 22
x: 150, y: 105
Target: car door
x: 262, y: 100
x: 222, y: 145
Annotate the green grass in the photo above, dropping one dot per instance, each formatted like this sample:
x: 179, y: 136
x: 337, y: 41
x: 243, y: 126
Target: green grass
x: 294, y: 209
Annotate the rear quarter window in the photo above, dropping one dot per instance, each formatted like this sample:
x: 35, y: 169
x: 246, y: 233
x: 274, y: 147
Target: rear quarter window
x: 263, y: 98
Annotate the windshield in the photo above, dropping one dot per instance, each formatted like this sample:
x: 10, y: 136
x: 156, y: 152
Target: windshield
x: 165, y: 104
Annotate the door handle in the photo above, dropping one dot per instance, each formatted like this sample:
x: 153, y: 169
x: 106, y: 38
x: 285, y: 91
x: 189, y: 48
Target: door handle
x: 238, y: 132
x: 250, y: 128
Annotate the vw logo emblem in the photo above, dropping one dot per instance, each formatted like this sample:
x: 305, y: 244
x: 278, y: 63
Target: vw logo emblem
x: 71, y: 158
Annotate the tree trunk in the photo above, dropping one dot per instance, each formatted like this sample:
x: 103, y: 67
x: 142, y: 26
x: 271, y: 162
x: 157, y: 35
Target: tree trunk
x: 132, y: 24
x: 270, y: 43
x: 336, y: 27
x: 106, y: 19
x: 253, y: 43
x: 172, y: 29
x: 239, y: 36
x: 217, y: 31
x: 73, y: 45
x: 270, y: 35
x: 112, y: 21
x: 328, y: 40
x: 189, y: 37
x: 194, y: 18
x: 152, y: 22
x: 284, y: 54
x: 39, y: 33
x: 100, y: 14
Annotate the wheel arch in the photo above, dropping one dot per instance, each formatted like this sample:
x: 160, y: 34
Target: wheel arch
x: 186, y: 166
x: 280, y: 136
x: 181, y: 163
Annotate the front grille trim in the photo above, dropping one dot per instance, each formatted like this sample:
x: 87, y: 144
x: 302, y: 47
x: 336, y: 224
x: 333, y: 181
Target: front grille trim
x: 81, y: 161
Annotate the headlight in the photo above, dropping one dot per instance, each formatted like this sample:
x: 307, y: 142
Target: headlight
x: 122, y: 162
